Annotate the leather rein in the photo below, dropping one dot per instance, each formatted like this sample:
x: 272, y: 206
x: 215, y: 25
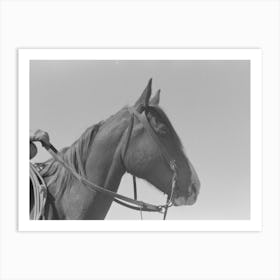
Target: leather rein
x: 121, y: 199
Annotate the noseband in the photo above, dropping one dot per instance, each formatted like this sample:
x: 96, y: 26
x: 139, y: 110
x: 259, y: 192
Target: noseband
x: 124, y: 200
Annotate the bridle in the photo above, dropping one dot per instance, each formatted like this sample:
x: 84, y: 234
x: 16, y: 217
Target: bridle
x: 120, y: 199
x: 163, y: 151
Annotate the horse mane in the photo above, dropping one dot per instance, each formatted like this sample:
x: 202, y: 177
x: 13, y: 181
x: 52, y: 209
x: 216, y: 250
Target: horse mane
x: 75, y: 156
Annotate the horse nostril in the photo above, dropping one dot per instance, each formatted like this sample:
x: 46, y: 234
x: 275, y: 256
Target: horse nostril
x: 189, y: 191
x: 193, y: 189
x: 196, y: 188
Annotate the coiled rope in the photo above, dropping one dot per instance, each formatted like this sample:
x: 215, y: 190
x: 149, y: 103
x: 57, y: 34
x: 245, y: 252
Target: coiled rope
x: 40, y: 194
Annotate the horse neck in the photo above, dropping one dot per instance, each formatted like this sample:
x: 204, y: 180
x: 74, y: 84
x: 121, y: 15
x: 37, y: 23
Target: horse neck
x: 104, y: 164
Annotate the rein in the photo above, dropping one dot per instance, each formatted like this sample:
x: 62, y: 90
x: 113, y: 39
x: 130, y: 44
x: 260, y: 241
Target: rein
x: 121, y: 199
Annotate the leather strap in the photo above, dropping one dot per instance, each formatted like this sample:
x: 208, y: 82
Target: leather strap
x: 94, y: 187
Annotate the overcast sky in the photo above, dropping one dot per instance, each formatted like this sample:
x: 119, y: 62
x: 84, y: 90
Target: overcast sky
x: 208, y: 103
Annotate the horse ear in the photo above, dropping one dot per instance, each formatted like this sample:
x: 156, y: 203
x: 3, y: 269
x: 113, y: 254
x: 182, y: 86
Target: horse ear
x: 155, y: 100
x: 143, y: 101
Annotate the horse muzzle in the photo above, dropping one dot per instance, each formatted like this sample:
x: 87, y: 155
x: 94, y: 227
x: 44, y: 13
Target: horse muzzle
x: 188, y: 198
x: 182, y: 200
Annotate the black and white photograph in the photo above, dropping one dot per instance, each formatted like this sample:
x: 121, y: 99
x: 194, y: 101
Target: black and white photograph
x: 140, y: 139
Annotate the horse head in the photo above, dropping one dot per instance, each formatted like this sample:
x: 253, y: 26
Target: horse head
x: 144, y: 154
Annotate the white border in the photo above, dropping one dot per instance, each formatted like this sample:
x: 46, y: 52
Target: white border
x: 254, y: 55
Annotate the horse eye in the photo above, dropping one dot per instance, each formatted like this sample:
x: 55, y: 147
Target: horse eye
x: 158, y: 126
x: 161, y: 128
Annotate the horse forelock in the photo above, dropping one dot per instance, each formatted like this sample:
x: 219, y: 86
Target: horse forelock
x: 75, y: 156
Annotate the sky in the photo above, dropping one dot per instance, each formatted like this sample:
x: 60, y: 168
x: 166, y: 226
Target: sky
x: 207, y: 101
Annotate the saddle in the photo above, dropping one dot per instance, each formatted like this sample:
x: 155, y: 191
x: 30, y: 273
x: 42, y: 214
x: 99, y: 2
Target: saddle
x: 38, y: 194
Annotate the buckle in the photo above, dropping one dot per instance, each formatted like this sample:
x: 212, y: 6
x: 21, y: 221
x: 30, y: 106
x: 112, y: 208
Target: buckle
x: 172, y: 165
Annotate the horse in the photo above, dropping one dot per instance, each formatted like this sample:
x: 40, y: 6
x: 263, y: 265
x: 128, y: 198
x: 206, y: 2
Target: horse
x: 109, y: 149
